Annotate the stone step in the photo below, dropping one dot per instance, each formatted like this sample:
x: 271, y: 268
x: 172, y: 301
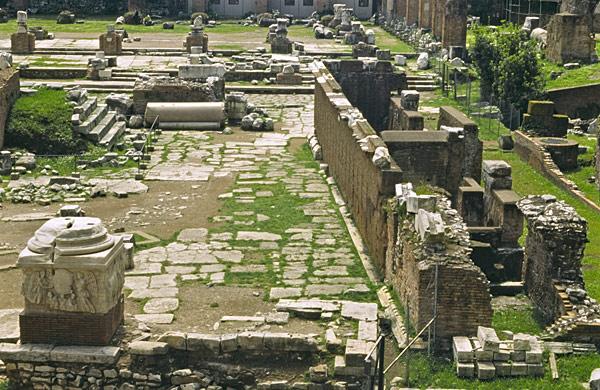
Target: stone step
x: 113, y: 135
x: 96, y: 116
x: 506, y: 288
x: 421, y: 82
x: 88, y: 107
x: 100, y: 130
x: 423, y: 88
x: 123, y: 78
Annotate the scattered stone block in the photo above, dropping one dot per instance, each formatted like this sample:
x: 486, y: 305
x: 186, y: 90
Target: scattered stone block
x: 518, y: 369
x: 465, y: 370
x: 463, y: 351
x: 485, y: 370
x: 175, y: 340
x: 148, y: 348
x: 488, y: 338
x: 502, y: 368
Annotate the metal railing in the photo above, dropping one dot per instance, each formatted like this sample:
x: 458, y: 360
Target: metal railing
x: 145, y: 149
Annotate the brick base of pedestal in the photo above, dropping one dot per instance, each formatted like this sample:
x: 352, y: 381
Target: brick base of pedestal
x: 281, y: 47
x: 22, y: 43
x: 70, y: 328
x: 197, y: 40
x: 111, y: 44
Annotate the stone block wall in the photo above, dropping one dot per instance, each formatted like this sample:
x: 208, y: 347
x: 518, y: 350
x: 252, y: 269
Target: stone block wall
x: 368, y: 87
x: 365, y: 186
x: 577, y: 102
x: 175, y: 90
x: 401, y: 119
x: 553, y: 250
x: 463, y: 296
x: 569, y: 39
x: 451, y: 117
x: 9, y: 92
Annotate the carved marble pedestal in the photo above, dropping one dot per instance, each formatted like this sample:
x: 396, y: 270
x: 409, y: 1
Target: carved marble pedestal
x: 197, y: 40
x: 22, y: 43
x: 73, y: 275
x: 111, y: 42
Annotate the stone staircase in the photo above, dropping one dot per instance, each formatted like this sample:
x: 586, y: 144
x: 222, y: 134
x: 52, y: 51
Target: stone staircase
x: 421, y: 83
x: 95, y: 123
x: 130, y: 75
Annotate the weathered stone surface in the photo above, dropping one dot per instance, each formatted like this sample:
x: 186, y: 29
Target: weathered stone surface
x: 148, y: 348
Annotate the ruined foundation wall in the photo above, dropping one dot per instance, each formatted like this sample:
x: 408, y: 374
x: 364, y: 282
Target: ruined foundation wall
x: 368, y: 88
x: 553, y: 250
x: 463, y: 296
x: 450, y: 116
x: 9, y: 92
x: 577, y: 102
x: 365, y: 186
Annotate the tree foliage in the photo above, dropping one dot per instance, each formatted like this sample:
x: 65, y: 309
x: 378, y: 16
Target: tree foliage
x: 508, y: 65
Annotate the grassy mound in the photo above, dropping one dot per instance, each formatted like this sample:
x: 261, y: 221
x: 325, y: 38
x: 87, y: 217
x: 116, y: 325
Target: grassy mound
x: 41, y: 123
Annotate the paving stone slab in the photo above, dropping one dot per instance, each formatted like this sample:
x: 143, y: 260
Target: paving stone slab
x: 155, y: 318
x: 284, y: 292
x: 161, y: 305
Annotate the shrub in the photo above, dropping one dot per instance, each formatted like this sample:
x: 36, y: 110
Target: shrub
x: 41, y: 123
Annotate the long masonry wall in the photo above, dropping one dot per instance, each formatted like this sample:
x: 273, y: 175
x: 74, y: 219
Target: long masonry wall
x: 9, y: 92
x: 365, y: 186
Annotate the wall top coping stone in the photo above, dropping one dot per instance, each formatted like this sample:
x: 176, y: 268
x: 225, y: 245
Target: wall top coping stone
x: 62, y: 354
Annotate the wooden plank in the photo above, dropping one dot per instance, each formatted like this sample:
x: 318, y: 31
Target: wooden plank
x: 553, y: 366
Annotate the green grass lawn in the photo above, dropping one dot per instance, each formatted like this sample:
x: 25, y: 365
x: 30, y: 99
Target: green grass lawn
x: 586, y: 168
x: 98, y: 25
x: 387, y: 41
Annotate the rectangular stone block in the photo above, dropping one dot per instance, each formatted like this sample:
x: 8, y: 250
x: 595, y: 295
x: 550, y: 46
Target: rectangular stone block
x: 465, y: 370
x: 341, y: 369
x: 229, y: 343
x: 488, y: 338
x: 502, y: 356
x: 276, y: 341
x: 356, y: 352
x: 175, y: 340
x: 521, y: 342
x: 486, y: 370
x: 534, y: 356
x: 204, y: 343
x: 517, y: 356
x: 535, y: 369
x: 251, y: 341
x: 463, y: 351
x: 502, y: 368
x: 518, y: 369
x: 86, y: 355
x: 25, y: 352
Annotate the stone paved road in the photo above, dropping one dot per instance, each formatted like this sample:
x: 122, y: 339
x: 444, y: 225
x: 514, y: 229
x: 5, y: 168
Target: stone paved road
x: 279, y: 224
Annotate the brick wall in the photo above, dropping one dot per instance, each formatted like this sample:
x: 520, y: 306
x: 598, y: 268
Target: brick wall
x: 428, y: 157
x: 365, y: 187
x: 9, y: 92
x: 463, y: 296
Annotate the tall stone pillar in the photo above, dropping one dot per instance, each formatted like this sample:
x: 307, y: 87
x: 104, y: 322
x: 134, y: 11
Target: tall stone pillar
x: 569, y: 39
x: 401, y: 8
x: 454, y: 24
x: 438, y: 12
x: 73, y: 275
x: 111, y: 43
x: 22, y: 42
x: 198, y: 5
x: 425, y: 13
x: 412, y: 11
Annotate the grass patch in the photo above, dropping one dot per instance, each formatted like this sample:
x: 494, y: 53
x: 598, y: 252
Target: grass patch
x: 426, y: 372
x: 386, y: 41
x: 41, y: 123
x: 522, y: 320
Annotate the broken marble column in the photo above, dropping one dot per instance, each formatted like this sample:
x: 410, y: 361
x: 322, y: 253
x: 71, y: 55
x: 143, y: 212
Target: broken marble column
x: 22, y: 42
x: 197, y: 38
x: 236, y: 106
x: 73, y: 275
x: 280, y: 43
x: 454, y: 23
x: 5, y: 163
x: 409, y: 100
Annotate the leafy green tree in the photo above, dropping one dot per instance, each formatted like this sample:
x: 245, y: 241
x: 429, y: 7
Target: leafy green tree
x: 508, y: 65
